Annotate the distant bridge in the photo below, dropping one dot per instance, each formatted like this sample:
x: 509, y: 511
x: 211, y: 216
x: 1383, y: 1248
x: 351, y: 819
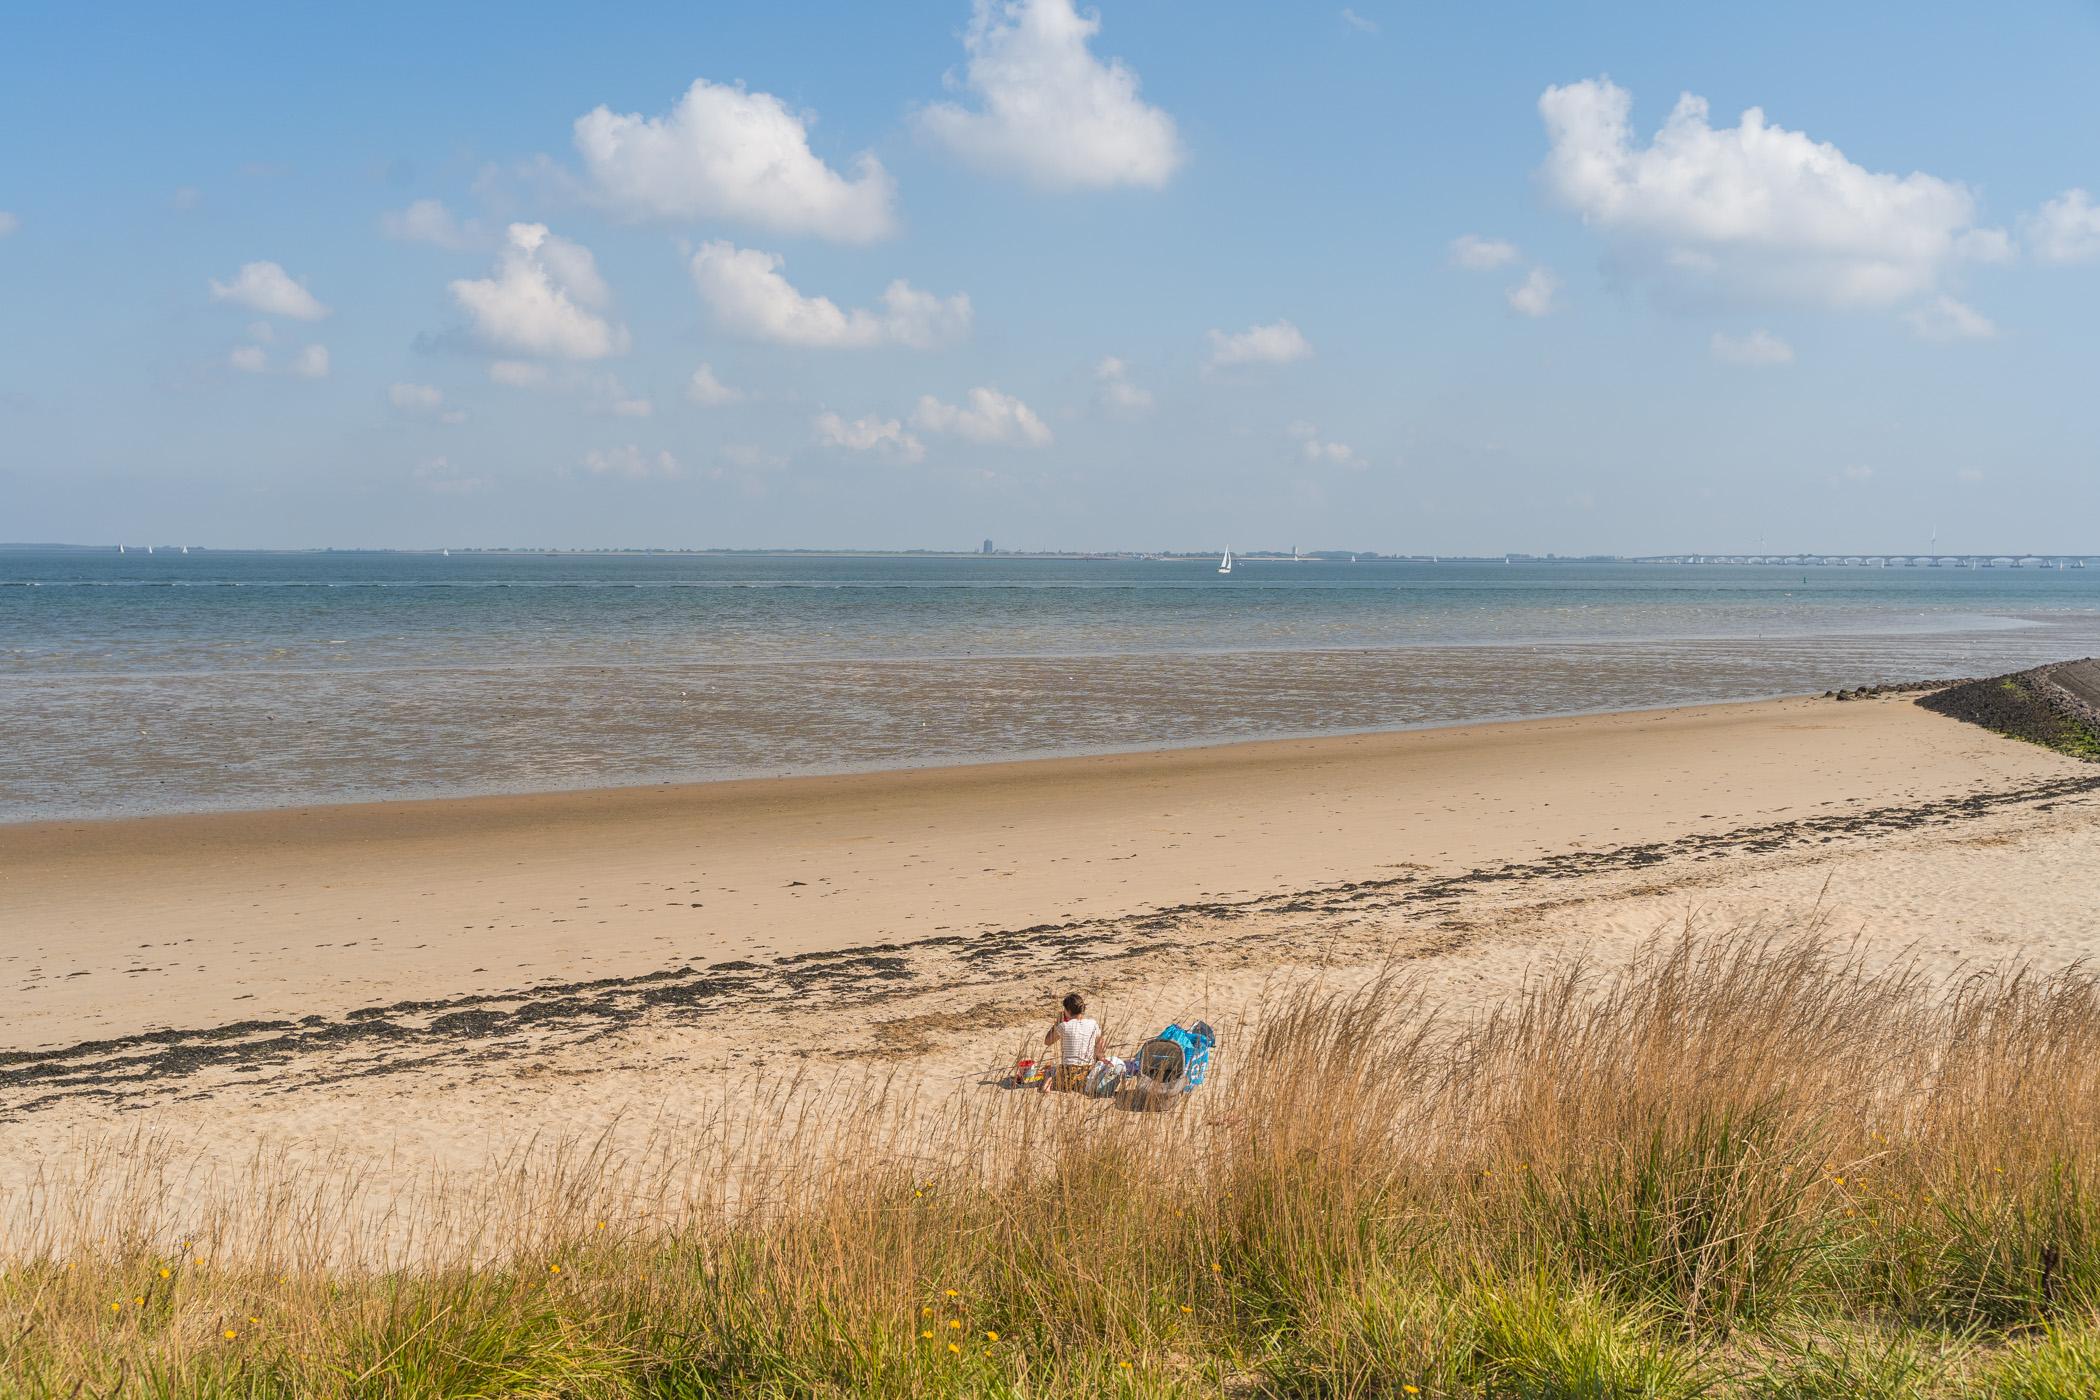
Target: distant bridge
x: 1883, y: 561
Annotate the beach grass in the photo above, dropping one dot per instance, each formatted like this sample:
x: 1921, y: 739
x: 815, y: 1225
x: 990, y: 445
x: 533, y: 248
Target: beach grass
x: 1752, y: 1164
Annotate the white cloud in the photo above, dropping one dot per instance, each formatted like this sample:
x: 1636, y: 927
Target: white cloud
x: 748, y: 295
x: 1968, y: 474
x: 610, y: 397
x: 311, y: 361
x: 1943, y: 320
x: 268, y: 288
x: 262, y: 331
x: 2066, y: 229
x: 1476, y: 254
x: 724, y: 153
x: 1534, y: 295
x: 1277, y: 343
x: 438, y: 476
x: 415, y: 398
x: 1048, y: 110
x: 988, y: 416
x: 423, y: 401
x: 1857, y: 472
x: 9, y: 222
x: 632, y: 463
x: 704, y: 388
x: 1315, y: 448
x: 1753, y: 212
x: 185, y: 198
x: 884, y: 435
x: 1358, y: 23
x: 1116, y: 389
x: 542, y: 299
x: 1758, y: 349
x: 517, y: 374
x: 429, y: 221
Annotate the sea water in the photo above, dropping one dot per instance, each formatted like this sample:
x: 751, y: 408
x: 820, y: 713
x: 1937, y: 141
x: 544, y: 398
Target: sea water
x: 141, y: 683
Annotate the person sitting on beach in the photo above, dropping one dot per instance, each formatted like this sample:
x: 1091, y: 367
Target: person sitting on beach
x: 1077, y: 1038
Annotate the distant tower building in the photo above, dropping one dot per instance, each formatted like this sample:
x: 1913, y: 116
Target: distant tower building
x: 985, y: 548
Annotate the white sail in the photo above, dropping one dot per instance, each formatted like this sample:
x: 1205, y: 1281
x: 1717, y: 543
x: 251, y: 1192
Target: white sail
x: 1225, y: 564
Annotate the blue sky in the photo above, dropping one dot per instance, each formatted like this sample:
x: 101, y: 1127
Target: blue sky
x: 1152, y: 275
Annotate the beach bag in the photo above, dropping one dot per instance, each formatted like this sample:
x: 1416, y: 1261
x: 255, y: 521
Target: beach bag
x: 1104, y: 1080
x: 1195, y: 1043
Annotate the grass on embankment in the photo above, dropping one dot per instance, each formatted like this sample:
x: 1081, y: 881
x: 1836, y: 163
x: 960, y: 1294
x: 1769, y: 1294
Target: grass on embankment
x: 2017, y: 707
x: 1742, y: 1167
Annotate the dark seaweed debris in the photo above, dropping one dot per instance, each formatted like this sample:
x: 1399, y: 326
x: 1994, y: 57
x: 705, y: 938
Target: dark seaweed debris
x: 133, y: 1071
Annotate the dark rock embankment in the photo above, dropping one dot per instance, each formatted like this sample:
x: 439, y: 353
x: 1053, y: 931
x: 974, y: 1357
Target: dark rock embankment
x: 2057, y: 706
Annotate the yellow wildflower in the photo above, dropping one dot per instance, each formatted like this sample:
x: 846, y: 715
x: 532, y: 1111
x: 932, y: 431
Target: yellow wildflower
x: 231, y: 1334
x: 991, y: 1336
x: 954, y: 1348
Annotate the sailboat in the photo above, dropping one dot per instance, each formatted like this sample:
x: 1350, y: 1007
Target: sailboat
x: 1225, y: 564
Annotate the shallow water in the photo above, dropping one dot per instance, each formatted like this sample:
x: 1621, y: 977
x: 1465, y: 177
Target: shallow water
x: 139, y: 683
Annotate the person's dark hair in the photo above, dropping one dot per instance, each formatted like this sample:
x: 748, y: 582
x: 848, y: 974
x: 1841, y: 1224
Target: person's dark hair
x: 1075, y: 1004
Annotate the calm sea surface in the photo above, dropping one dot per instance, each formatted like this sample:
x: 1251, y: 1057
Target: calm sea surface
x: 159, y: 682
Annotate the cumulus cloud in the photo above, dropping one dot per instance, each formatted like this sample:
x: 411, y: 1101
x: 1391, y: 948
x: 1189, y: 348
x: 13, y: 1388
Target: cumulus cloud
x: 1944, y: 320
x: 1753, y: 212
x: 1476, y: 254
x: 1277, y: 343
x: 704, y: 388
x: 438, y: 476
x: 611, y: 398
x: 308, y: 362
x: 2066, y: 229
x: 632, y: 463
x: 517, y: 374
x: 724, y: 153
x: 429, y: 221
x: 1358, y: 22
x: 988, y: 416
x: 422, y: 401
x: 268, y: 288
x: 1758, y: 349
x: 745, y: 290
x: 9, y: 222
x: 884, y: 435
x: 1047, y: 108
x: 1113, y: 377
x: 1534, y: 295
x: 1314, y: 448
x: 542, y: 299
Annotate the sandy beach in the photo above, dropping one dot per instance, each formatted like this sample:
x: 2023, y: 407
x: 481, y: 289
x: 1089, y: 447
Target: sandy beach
x: 436, y: 982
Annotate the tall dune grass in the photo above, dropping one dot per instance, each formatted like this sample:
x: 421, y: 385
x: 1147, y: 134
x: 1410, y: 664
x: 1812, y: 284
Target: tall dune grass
x: 1741, y: 1165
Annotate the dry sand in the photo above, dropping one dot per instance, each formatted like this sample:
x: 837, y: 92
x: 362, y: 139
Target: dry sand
x: 436, y: 982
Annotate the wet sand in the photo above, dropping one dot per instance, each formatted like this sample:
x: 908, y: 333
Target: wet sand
x: 438, y: 981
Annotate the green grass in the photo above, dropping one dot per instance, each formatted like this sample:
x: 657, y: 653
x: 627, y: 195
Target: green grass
x: 1743, y: 1168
